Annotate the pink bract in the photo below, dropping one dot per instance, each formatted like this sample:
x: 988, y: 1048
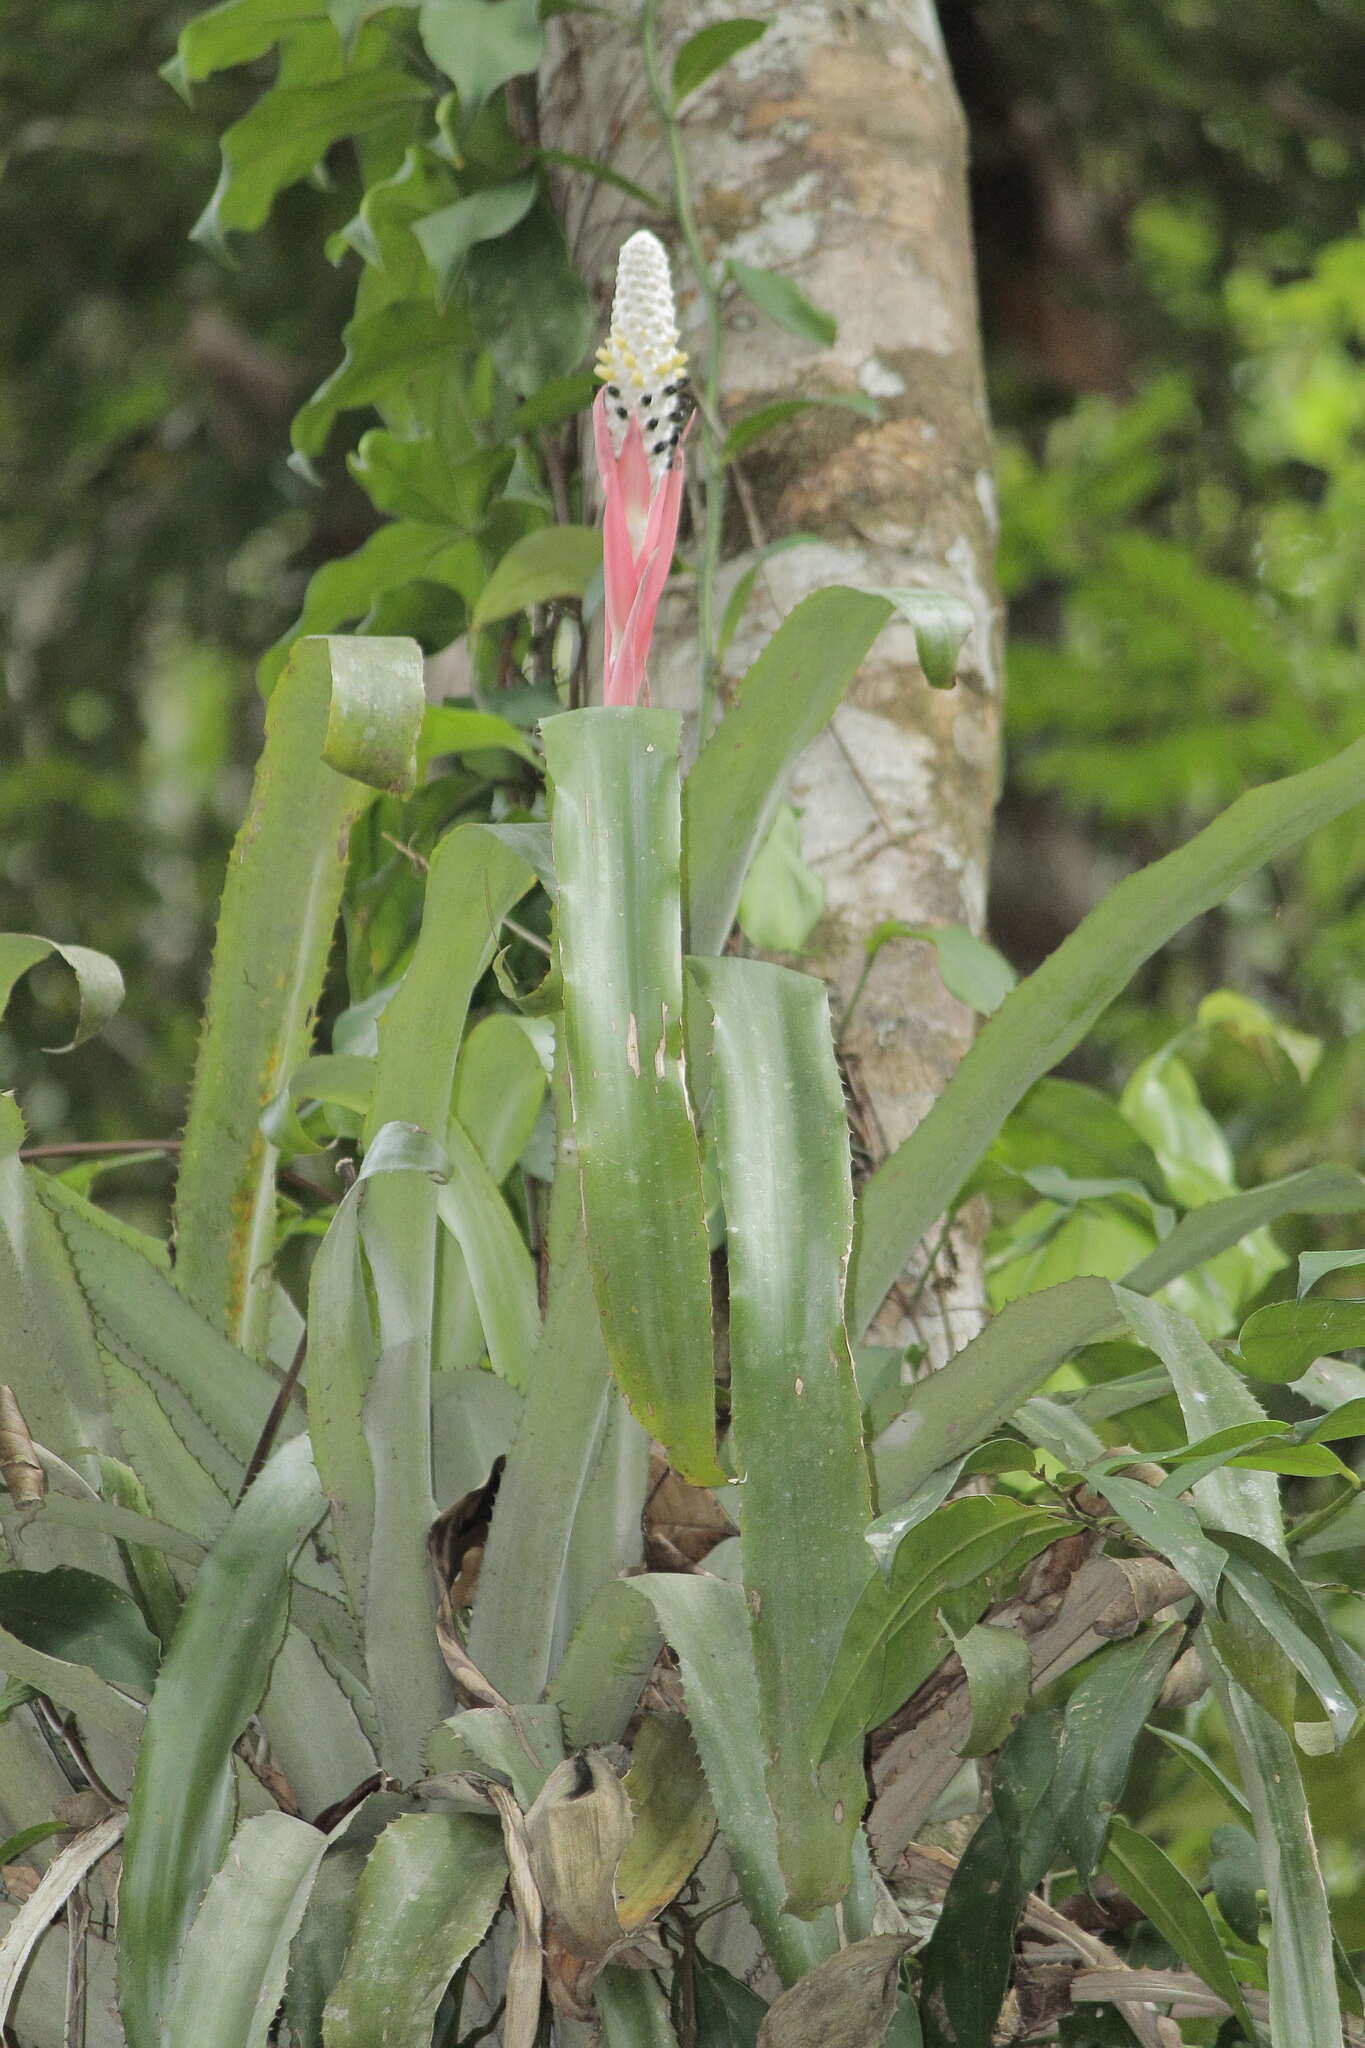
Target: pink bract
x: 639, y: 529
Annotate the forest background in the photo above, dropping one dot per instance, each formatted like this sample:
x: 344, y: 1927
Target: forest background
x: 1167, y: 200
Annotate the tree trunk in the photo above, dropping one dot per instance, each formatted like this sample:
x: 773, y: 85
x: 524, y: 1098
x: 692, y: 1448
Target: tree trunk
x: 833, y: 152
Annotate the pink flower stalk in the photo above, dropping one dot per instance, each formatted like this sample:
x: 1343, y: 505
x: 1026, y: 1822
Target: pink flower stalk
x: 639, y: 423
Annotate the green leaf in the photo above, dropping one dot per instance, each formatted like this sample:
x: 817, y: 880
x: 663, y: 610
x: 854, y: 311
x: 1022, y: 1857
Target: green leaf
x: 362, y: 702
x: 1280, y: 1342
x: 212, y: 1681
x: 1317, y: 1191
x: 237, y: 32
x: 1303, y: 1994
x: 999, y: 1673
x: 708, y: 49
x: 473, y: 881
x: 784, y: 304
x: 953, y: 1409
x: 1104, y: 1718
x: 52, y: 1359
x: 231, y: 1974
x: 739, y: 597
x: 527, y: 302
x: 563, y: 398
x: 29, y: 1838
x: 1287, y: 1611
x: 1315, y: 1266
x: 1052, y: 1010
x: 731, y: 795
x: 525, y: 1564
x: 782, y: 899
x: 616, y: 826
x: 1176, y: 1910
x: 427, y: 1895
x: 287, y: 132
x: 942, y: 622
x: 448, y: 236
x: 728, y: 2013
x: 346, y: 591
x: 1169, y: 1527
x: 480, y: 44
x: 894, y: 1636
x: 450, y: 729
x: 965, y: 1966
x: 1236, y: 1876
x: 603, y: 1672
x: 99, y: 985
x: 706, y: 1624
x: 781, y: 1143
x: 971, y: 968
x: 382, y: 350
x: 754, y: 426
x: 214, y: 1395
x: 501, y: 1269
x: 84, y: 1619
x: 554, y: 561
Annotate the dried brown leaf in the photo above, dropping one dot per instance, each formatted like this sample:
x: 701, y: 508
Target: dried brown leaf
x: 19, y: 1462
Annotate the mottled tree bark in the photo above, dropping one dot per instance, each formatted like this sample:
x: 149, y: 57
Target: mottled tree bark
x: 833, y: 152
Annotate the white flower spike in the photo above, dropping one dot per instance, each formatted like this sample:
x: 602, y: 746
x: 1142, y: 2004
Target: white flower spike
x: 640, y: 362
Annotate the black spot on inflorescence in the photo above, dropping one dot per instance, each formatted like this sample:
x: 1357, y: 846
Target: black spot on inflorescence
x: 659, y: 448
x: 613, y: 391
x: 648, y: 398
x: 650, y: 425
x: 621, y: 413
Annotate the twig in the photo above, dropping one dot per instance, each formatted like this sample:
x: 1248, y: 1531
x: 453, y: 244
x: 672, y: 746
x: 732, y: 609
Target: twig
x: 276, y: 1416
x: 96, y: 1148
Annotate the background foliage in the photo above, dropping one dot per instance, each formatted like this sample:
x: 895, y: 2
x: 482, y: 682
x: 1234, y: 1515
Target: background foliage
x: 1177, y: 371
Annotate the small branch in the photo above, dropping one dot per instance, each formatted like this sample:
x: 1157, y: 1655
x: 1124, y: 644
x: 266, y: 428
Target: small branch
x: 288, y: 1386
x: 99, y: 1148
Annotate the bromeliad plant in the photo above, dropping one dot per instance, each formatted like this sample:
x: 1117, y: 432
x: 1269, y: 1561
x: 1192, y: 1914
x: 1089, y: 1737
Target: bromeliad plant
x: 502, y: 1623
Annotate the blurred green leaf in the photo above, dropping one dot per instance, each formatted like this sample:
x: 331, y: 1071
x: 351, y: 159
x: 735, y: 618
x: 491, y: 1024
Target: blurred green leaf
x: 894, y: 1635
x: 1236, y: 1876
x: 1280, y: 1342
x: 84, y: 1619
x: 1175, y: 1909
x: 782, y: 898
x: 754, y: 426
x: 1053, y: 1009
x: 287, y: 132
x: 708, y: 49
x: 1169, y: 1527
x: 784, y: 303
x: 480, y: 44
x: 1315, y: 1266
x: 999, y: 1674
x: 448, y: 235
x: 1104, y: 1718
x: 99, y: 985
x: 555, y: 561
